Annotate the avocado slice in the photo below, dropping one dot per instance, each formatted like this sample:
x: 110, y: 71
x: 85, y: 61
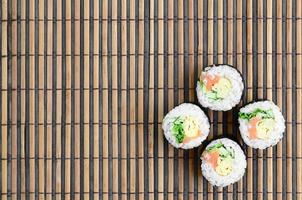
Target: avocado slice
x: 186, y: 126
x: 222, y: 88
x: 190, y: 126
x: 264, y: 128
x: 224, y: 166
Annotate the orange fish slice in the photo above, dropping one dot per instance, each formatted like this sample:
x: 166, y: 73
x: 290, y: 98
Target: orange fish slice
x: 212, y: 158
x: 253, y: 127
x: 211, y: 81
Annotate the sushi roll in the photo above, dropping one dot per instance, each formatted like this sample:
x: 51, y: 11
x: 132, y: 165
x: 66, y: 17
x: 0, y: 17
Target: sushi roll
x: 261, y: 124
x: 219, y: 87
x: 223, y: 162
x: 186, y: 126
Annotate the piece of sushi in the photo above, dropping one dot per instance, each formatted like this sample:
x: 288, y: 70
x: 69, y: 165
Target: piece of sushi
x: 223, y: 162
x: 261, y: 124
x: 219, y: 87
x: 186, y: 126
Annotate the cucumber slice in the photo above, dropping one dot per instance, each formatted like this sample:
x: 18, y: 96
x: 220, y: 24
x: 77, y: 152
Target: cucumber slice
x: 212, y: 95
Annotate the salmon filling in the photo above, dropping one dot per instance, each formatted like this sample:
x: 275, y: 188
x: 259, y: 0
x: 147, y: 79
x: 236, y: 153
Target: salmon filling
x: 260, y: 123
x: 215, y: 87
x: 212, y: 158
x: 210, y: 81
x: 220, y: 158
x: 253, y: 127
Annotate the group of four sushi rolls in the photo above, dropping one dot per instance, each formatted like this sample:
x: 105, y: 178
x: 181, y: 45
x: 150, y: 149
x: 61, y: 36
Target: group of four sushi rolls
x: 220, y: 88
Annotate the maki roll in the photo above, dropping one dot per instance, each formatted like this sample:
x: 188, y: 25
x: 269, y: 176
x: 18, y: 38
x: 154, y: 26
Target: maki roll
x: 186, y: 126
x: 261, y: 124
x: 223, y: 162
x: 219, y: 87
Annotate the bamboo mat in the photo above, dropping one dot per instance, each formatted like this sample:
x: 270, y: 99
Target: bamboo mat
x: 85, y: 85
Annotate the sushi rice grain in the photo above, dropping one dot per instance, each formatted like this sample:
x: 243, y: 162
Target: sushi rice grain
x: 186, y: 109
x: 238, y: 164
x: 275, y: 135
x: 231, y: 98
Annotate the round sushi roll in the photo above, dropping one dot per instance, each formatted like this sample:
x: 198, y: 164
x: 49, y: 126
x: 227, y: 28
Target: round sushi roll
x: 186, y: 126
x: 261, y: 124
x: 223, y: 162
x: 219, y: 87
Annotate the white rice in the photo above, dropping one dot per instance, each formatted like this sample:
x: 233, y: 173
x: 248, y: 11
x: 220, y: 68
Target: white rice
x: 186, y: 109
x: 276, y: 134
x: 238, y: 169
x: 234, y: 96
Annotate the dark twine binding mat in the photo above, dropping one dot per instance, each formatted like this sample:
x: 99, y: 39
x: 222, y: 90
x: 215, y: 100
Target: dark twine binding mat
x: 85, y: 85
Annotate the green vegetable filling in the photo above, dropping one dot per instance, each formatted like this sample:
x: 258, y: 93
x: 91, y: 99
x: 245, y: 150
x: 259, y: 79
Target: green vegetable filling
x: 185, y: 127
x: 219, y: 91
x: 225, y: 160
x: 213, y: 94
x: 202, y: 86
x: 215, y: 147
x: 263, y: 114
x: 178, y: 130
x: 224, y: 152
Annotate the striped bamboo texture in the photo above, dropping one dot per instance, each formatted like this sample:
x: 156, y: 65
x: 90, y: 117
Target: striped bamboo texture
x: 85, y: 84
